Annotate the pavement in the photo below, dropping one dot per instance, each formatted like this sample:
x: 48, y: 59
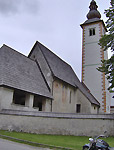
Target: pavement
x: 9, y: 145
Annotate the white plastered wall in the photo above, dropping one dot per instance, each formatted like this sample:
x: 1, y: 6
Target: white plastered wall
x: 93, y: 54
x: 6, y: 97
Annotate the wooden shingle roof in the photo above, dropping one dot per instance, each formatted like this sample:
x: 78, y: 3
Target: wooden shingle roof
x: 19, y: 72
x: 63, y: 71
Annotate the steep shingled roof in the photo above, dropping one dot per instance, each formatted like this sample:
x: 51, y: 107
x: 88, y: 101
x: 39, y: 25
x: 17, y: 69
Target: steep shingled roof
x: 63, y: 71
x: 20, y: 72
x: 59, y: 68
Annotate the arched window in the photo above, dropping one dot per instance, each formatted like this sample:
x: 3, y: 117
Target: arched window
x: 91, y: 31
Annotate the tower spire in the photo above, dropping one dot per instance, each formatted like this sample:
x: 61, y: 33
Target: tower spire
x: 93, y: 13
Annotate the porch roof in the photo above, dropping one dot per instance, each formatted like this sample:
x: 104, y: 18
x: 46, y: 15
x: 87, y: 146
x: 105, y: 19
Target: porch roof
x: 19, y: 72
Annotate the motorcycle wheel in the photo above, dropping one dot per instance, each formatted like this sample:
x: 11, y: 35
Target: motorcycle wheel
x: 85, y: 148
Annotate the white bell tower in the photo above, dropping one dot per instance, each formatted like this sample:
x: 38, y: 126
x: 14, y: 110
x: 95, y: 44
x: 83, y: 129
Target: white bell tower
x: 92, y: 54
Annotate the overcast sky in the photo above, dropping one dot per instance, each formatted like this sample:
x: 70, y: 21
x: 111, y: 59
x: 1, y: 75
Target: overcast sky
x: 55, y: 23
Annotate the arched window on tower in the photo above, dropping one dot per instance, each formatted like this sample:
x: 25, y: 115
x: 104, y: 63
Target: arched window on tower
x: 91, y: 31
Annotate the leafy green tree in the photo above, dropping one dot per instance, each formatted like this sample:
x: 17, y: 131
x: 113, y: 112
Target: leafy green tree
x: 107, y: 42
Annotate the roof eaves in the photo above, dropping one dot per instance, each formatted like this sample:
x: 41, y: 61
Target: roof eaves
x: 75, y: 86
x: 10, y: 82
x: 87, y: 22
x: 89, y: 96
x: 11, y: 87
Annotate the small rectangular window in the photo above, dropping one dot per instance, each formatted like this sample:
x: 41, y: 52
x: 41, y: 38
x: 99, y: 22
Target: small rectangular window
x: 70, y: 98
x: 91, y: 31
x: 78, y: 108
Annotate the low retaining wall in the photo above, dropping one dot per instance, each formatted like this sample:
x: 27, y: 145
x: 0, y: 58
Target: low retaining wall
x: 57, y: 123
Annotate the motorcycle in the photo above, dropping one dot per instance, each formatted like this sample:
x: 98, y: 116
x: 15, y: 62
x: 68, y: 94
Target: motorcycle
x: 97, y: 144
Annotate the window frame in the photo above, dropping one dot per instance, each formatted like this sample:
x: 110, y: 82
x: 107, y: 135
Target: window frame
x: 92, y: 31
x: 78, y: 108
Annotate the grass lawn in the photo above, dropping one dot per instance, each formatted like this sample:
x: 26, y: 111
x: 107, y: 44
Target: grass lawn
x: 74, y: 142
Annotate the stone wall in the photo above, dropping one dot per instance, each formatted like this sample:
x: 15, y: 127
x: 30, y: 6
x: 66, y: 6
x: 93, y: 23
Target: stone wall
x: 57, y: 123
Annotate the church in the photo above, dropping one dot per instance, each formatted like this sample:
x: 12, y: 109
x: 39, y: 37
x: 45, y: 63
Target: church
x: 42, y: 81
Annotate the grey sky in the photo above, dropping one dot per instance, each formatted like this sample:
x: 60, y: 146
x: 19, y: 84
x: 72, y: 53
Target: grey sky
x: 12, y: 7
x: 55, y: 23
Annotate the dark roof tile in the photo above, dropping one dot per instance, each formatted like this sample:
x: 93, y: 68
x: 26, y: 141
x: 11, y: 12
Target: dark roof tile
x: 20, y: 72
x: 63, y: 71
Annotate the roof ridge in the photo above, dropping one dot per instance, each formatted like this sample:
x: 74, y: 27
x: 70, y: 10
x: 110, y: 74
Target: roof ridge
x: 4, y: 45
x: 40, y: 45
x: 54, y: 53
x: 70, y: 67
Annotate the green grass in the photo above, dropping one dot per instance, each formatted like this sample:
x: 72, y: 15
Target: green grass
x: 74, y: 142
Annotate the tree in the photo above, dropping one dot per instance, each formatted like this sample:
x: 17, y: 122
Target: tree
x: 107, y: 42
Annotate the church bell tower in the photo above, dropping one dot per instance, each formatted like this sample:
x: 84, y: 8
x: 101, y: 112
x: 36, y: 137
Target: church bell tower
x: 92, y: 54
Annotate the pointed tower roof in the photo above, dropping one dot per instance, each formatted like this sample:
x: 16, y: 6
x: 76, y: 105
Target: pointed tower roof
x: 93, y: 13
